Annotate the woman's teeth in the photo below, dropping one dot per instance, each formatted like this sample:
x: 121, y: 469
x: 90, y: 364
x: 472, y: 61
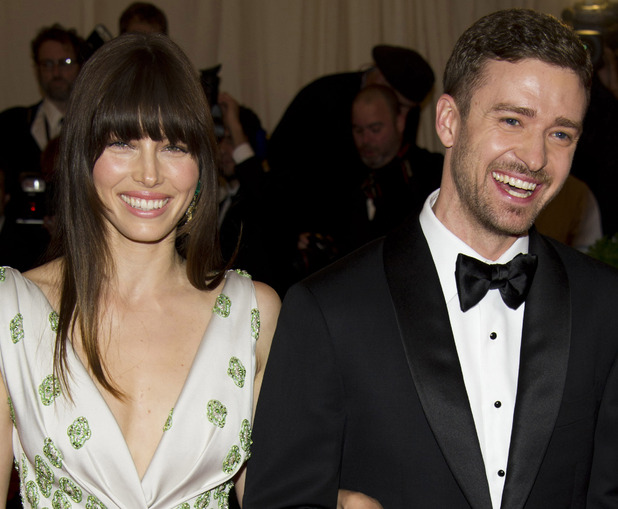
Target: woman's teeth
x: 142, y: 204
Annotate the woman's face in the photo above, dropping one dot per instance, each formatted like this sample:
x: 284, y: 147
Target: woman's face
x: 146, y: 187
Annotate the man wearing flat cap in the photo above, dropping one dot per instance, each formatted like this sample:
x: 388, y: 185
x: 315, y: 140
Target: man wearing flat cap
x: 312, y: 150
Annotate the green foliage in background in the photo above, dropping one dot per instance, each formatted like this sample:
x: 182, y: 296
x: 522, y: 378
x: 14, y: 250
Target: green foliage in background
x: 606, y: 250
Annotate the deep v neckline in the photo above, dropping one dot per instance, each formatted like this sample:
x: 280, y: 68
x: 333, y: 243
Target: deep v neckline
x: 78, y: 368
x: 95, y: 389
x: 200, y: 451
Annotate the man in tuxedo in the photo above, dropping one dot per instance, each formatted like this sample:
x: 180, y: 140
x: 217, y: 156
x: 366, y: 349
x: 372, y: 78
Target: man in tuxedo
x: 415, y: 373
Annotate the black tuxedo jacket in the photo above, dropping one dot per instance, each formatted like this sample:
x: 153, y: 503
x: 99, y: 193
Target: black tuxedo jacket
x: 24, y: 154
x: 363, y: 389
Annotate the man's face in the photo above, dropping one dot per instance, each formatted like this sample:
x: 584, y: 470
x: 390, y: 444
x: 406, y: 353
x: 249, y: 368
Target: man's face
x: 57, y: 74
x: 377, y: 134
x: 139, y: 26
x: 513, y: 152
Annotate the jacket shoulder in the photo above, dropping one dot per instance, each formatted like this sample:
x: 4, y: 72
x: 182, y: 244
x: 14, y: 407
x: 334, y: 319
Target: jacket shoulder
x: 18, y: 115
x: 585, y: 271
x: 357, y: 271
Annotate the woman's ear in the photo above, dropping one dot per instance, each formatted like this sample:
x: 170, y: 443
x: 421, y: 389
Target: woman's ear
x: 447, y: 120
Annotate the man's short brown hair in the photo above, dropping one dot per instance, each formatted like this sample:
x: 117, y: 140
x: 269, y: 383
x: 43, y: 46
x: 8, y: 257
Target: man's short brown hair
x: 512, y: 35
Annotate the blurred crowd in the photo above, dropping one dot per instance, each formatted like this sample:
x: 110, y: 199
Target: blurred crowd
x: 341, y: 168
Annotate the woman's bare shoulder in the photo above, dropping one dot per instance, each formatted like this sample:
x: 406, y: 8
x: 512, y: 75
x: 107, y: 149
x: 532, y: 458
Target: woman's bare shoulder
x: 48, y: 278
x: 268, y: 300
x: 269, y: 305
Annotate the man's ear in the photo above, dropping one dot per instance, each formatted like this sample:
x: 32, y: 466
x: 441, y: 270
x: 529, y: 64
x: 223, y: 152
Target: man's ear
x: 400, y: 123
x: 447, y: 120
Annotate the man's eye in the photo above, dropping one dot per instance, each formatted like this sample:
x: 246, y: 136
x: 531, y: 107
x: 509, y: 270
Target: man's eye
x: 511, y: 121
x: 561, y: 135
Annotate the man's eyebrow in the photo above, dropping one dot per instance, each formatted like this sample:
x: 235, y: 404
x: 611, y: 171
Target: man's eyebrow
x: 367, y: 126
x: 530, y: 113
x: 526, y: 112
x: 566, y: 122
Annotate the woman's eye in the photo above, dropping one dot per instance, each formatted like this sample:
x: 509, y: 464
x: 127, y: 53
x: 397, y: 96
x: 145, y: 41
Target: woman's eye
x: 117, y: 143
x: 177, y: 148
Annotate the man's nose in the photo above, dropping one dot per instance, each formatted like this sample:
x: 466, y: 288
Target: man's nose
x: 533, y: 151
x: 367, y: 137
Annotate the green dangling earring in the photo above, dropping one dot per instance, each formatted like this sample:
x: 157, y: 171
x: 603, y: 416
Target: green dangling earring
x: 193, y: 204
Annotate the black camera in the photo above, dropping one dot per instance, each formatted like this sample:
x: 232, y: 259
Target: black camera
x: 31, y: 203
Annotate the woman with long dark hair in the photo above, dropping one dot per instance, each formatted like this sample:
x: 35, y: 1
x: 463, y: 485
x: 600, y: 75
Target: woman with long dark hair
x: 132, y: 362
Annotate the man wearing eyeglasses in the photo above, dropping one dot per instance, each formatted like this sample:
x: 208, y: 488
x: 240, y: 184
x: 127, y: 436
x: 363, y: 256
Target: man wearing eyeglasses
x: 57, y: 54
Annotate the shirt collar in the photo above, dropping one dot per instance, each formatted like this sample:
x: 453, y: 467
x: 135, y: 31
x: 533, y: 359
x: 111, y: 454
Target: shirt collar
x: 52, y: 113
x: 445, y: 246
x: 46, y: 123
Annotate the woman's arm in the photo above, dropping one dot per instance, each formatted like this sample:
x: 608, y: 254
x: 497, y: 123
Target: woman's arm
x: 269, y: 305
x: 6, y: 445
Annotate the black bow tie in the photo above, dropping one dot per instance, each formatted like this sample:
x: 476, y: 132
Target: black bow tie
x: 474, y: 278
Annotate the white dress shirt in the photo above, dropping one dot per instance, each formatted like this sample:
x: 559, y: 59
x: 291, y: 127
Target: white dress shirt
x: 488, y: 341
x: 47, y: 124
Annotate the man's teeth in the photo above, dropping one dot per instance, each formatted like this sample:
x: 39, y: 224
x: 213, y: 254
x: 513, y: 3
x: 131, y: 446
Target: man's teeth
x: 514, y: 184
x: 142, y: 204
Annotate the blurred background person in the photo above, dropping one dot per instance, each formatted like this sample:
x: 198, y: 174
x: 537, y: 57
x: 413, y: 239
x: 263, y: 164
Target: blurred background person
x: 398, y: 175
x: 248, y: 216
x: 596, y: 161
x: 389, y: 179
x: 322, y: 110
x: 58, y: 55
x: 142, y: 17
x: 312, y: 154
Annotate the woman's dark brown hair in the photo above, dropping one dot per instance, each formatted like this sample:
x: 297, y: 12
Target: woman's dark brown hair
x: 134, y: 86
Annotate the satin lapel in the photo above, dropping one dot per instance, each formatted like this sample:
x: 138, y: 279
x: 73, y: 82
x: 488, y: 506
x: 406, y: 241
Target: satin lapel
x: 542, y: 372
x: 430, y: 349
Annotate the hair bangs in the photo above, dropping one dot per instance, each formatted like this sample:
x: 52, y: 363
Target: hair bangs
x: 134, y: 86
x: 148, y: 100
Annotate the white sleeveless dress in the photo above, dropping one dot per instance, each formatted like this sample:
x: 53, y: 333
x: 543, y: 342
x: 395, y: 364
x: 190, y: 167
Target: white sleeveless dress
x: 73, y: 455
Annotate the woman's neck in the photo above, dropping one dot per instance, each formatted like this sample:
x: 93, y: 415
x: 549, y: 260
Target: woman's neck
x: 146, y: 268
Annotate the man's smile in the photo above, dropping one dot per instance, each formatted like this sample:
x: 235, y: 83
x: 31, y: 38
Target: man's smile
x: 515, y: 187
